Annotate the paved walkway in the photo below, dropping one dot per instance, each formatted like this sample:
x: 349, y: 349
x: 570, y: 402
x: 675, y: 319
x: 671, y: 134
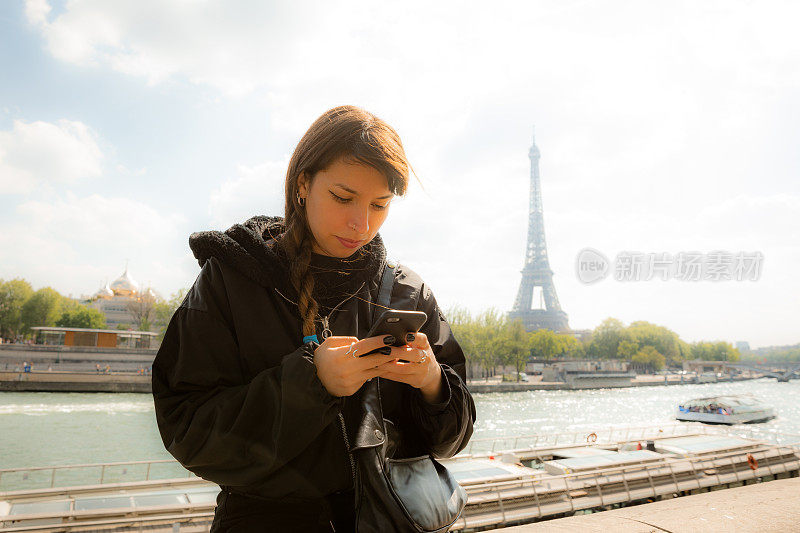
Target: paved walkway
x: 769, y: 506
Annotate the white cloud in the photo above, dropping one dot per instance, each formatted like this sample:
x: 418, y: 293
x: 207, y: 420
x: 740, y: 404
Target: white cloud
x: 648, y: 115
x: 74, y: 243
x: 43, y: 152
x: 255, y: 190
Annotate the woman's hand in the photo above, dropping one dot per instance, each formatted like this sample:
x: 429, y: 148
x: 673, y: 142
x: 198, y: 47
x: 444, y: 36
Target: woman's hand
x: 342, y: 366
x: 422, y: 370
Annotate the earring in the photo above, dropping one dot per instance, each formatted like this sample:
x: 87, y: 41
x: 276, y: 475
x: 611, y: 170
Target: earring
x: 301, y: 200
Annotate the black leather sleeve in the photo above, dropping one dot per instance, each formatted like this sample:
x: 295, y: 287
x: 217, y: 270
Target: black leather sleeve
x: 445, y: 427
x: 216, y: 424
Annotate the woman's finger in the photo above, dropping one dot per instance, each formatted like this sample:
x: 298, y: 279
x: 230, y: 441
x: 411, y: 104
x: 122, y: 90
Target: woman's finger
x: 411, y: 354
x: 418, y: 340
x: 338, y: 341
x: 365, y: 346
x: 374, y: 360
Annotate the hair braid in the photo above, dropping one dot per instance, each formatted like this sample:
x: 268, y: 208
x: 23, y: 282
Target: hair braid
x: 299, y: 252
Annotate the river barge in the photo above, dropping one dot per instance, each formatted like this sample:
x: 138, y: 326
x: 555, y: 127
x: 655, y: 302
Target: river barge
x: 509, y: 480
x: 728, y: 410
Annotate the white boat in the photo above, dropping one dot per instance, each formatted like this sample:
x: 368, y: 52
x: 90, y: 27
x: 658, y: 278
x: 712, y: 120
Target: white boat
x: 731, y: 409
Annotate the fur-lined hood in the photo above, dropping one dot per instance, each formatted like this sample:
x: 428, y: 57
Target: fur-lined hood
x: 244, y: 247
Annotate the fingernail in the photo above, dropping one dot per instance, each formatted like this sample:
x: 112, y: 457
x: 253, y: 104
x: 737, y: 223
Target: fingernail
x: 410, y: 337
x: 389, y: 339
x: 386, y: 350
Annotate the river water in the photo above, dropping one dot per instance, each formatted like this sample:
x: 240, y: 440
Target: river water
x: 41, y: 429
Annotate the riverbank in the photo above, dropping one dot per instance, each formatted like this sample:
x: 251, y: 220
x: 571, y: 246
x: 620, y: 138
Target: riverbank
x: 641, y: 380
x: 770, y: 506
x: 93, y: 381
x: 60, y: 381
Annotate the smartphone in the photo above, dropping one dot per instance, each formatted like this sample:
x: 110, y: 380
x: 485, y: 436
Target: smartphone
x: 397, y: 323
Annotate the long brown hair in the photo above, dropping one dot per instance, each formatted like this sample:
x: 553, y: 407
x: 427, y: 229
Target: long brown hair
x: 342, y: 132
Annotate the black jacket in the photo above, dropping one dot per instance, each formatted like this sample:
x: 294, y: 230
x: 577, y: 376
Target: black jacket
x: 237, y: 398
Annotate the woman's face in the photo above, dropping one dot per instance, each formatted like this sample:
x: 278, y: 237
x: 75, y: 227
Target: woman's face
x: 346, y: 205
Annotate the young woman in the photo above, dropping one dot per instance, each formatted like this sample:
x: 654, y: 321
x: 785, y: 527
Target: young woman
x: 255, y: 384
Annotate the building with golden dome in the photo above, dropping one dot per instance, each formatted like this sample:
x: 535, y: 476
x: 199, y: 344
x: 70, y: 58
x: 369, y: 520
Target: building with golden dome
x: 121, y: 301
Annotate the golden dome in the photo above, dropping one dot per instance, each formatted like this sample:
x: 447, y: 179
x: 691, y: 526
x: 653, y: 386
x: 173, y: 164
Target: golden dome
x: 124, y: 285
x: 104, y: 292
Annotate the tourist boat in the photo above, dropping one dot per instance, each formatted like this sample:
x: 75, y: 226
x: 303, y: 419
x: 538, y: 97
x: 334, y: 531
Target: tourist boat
x: 508, y: 480
x: 730, y: 409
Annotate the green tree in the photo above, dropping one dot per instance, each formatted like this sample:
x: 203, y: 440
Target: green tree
x: 665, y: 341
x: 648, y: 358
x: 571, y: 347
x: 488, y: 332
x: 515, y: 346
x: 606, y: 338
x: 42, y: 309
x: 13, y: 294
x: 75, y: 315
x: 546, y: 344
x: 627, y: 348
x: 714, y: 351
x: 164, y: 309
x: 463, y: 327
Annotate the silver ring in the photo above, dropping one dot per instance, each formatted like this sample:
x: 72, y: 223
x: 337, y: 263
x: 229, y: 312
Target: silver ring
x: 352, y: 351
x: 424, y: 358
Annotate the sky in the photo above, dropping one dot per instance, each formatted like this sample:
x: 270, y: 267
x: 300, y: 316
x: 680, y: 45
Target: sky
x: 664, y: 127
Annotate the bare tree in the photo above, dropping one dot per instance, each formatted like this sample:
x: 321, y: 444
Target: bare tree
x: 142, y: 308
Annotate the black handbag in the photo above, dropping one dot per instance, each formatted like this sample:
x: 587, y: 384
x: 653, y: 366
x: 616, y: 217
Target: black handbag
x: 416, y: 494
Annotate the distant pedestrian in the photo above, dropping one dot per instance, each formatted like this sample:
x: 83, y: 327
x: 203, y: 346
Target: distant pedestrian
x: 97, y: 367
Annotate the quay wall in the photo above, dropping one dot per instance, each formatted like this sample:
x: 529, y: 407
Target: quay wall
x: 130, y: 381
x: 73, y: 382
x: 640, y: 381
x: 764, y: 507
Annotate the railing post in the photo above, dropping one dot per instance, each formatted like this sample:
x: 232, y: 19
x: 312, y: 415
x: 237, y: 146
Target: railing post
x: 599, y: 492
x: 536, y: 497
x: 769, y: 466
x: 500, y: 504
x: 733, y: 466
x: 625, y: 482
x: 650, y: 479
x: 102, y: 474
x: 569, y: 496
x: 147, y: 477
x: 696, y: 477
x: 674, y: 479
x: 53, y: 479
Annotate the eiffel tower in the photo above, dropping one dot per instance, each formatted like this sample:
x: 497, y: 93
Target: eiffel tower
x: 536, y: 272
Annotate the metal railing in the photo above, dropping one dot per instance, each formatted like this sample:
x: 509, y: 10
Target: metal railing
x: 94, y: 474
x: 567, y: 493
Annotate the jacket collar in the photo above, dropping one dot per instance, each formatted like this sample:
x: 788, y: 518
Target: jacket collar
x: 249, y: 248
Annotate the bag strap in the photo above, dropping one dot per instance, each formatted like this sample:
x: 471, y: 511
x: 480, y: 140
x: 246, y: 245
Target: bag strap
x: 385, y: 289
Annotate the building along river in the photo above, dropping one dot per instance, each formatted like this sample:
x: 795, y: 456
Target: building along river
x: 43, y: 429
